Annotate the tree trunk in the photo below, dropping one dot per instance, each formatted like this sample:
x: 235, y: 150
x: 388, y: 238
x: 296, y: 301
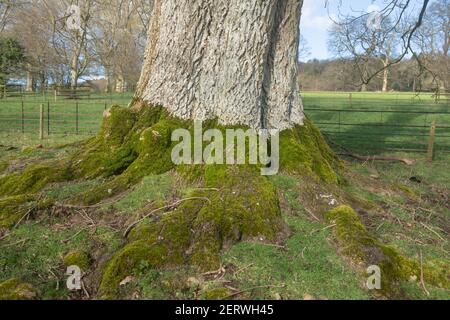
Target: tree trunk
x: 385, y: 75
x: 364, y: 87
x: 30, y: 80
x: 74, y: 70
x: 232, y: 60
x: 121, y: 84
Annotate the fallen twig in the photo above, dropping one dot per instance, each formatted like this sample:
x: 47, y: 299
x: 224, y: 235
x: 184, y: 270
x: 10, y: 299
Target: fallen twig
x: 323, y: 229
x: 76, y: 234
x: 244, y: 268
x: 422, y: 281
x: 430, y: 229
x: 406, y: 161
x: 254, y: 288
x: 312, y: 214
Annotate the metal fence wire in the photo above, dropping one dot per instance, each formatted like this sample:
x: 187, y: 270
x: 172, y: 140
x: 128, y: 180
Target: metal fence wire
x: 359, y: 124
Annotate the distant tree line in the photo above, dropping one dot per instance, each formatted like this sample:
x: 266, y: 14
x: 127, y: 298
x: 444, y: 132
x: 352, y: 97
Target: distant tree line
x: 398, y: 52
x: 340, y: 75
x: 61, y: 46
x: 394, y: 49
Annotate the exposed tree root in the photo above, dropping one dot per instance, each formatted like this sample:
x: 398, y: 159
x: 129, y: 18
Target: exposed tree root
x: 136, y: 142
x: 357, y: 243
x: 406, y: 161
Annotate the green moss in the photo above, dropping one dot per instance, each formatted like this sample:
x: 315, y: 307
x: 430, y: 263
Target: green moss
x: 125, y: 261
x: 406, y: 190
x: 15, y: 290
x: 358, y: 243
x: 3, y: 166
x: 303, y: 151
x: 236, y: 204
x: 216, y: 294
x: 12, y: 209
x: 34, y: 178
x: 77, y: 258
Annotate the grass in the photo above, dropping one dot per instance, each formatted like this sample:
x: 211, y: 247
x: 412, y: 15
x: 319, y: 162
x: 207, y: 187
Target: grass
x: 411, y: 216
x: 375, y: 122
x: 61, y: 117
x: 364, y: 132
x: 33, y: 253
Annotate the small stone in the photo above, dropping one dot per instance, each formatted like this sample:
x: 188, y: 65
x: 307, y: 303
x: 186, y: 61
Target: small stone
x: 308, y: 297
x: 193, y: 282
x: 126, y: 281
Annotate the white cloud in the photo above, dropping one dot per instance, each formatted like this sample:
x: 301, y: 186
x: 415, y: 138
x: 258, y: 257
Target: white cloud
x: 314, y: 15
x: 373, y: 8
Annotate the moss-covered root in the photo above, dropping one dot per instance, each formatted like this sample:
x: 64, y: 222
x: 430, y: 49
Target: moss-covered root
x: 304, y: 151
x: 152, y: 147
x: 118, y: 145
x: 15, y: 208
x: 77, y: 258
x: 357, y: 243
x: 34, y: 178
x: 15, y: 290
x: 237, y: 203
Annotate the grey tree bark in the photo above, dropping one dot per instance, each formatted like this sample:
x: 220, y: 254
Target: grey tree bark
x: 231, y: 59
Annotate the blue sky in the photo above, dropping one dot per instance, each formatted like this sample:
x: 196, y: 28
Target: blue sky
x: 316, y: 21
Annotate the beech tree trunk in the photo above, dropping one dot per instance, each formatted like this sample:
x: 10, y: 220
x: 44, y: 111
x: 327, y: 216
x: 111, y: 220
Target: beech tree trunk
x: 233, y: 60
x: 30, y: 82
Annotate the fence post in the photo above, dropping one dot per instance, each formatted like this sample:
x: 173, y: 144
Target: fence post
x: 56, y: 95
x: 76, y: 120
x: 41, y: 122
x: 431, y: 142
x: 23, y: 118
x: 48, y: 117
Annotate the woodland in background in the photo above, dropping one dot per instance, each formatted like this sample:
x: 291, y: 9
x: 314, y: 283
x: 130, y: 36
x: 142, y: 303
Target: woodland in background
x: 111, y: 42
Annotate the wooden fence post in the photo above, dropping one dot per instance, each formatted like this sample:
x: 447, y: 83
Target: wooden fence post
x: 77, y: 119
x: 48, y: 117
x: 41, y: 122
x: 431, y: 142
x: 23, y: 118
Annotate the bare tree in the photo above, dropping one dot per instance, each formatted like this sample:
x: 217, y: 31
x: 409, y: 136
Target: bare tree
x: 71, y: 44
x: 360, y: 39
x: 433, y: 42
x: 117, y: 40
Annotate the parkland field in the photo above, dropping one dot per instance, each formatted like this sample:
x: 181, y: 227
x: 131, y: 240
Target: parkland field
x: 405, y: 207
x: 367, y: 123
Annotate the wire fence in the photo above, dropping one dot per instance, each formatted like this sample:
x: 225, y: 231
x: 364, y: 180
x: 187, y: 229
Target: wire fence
x: 355, y: 121
x: 373, y: 123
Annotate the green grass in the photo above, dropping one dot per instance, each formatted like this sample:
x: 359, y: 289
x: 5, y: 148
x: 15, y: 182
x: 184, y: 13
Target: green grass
x: 392, y: 121
x: 363, y: 132
x: 307, y: 264
x: 62, y: 113
x: 150, y: 189
x: 33, y: 253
